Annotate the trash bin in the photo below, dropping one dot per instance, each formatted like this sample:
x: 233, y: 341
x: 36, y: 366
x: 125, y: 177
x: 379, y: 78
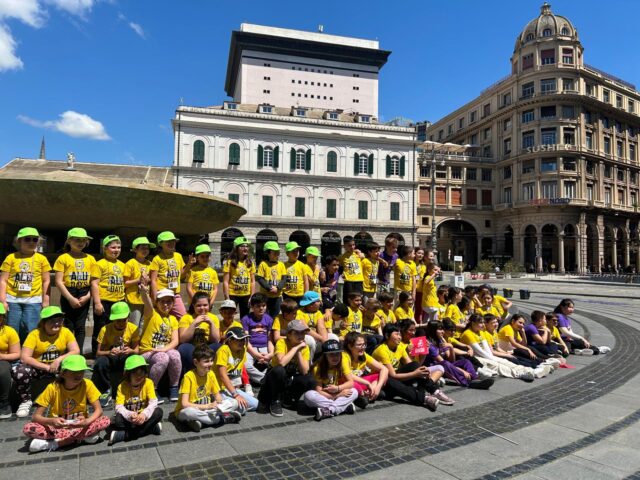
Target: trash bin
x: 525, y: 294
x: 508, y: 292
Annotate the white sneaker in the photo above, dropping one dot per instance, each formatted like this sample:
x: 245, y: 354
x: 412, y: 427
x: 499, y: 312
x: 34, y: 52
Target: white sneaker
x: 484, y: 373
x: 24, y: 409
x: 604, y: 349
x: 38, y: 445
x: 92, y: 440
x: 552, y: 361
x: 584, y: 351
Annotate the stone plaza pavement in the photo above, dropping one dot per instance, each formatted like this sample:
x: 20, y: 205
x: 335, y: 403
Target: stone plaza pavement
x: 580, y: 423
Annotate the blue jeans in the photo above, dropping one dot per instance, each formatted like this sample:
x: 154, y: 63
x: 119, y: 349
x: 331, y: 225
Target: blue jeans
x: 251, y: 400
x: 186, y: 354
x: 23, y: 317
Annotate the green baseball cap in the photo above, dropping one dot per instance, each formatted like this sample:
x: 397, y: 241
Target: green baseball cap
x: 110, y: 238
x: 134, y: 361
x: 271, y: 246
x: 312, y: 251
x: 50, y: 312
x: 142, y: 241
x: 203, y: 249
x: 290, y: 246
x: 74, y: 363
x: 78, y: 232
x: 2, y: 309
x: 119, y: 310
x: 240, y: 241
x: 166, y: 237
x: 28, y: 232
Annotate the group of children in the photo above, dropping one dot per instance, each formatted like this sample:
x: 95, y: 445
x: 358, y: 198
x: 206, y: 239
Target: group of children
x: 293, y: 340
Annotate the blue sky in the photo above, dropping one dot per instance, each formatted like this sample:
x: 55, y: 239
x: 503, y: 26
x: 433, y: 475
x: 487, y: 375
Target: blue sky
x: 102, y: 78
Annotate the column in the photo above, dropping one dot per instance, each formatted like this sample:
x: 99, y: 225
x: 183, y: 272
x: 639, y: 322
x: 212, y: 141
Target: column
x: 480, y: 248
x: 561, y: 252
x: 638, y: 259
x: 614, y: 249
x: 539, y: 252
x: 627, y: 253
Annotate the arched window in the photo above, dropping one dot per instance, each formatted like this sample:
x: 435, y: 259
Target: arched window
x: 395, y: 166
x: 198, y: 151
x: 234, y: 154
x: 332, y: 162
x: 267, y: 159
x: 546, y: 32
x: 565, y: 31
x: 301, y: 159
x: 363, y: 164
x: 529, y: 37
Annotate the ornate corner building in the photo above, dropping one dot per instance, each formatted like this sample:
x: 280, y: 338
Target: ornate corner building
x: 552, y: 178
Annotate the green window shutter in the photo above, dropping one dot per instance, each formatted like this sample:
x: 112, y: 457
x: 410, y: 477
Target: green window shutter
x: 370, y: 165
x: 388, y: 163
x: 260, y: 156
x: 331, y: 208
x: 402, y: 168
x: 293, y: 158
x: 308, y: 160
x: 276, y: 157
x: 356, y: 160
x: 332, y: 162
x: 198, y: 151
x: 234, y: 154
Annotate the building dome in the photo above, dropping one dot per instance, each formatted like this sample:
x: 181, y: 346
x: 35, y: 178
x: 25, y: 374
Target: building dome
x: 546, y: 25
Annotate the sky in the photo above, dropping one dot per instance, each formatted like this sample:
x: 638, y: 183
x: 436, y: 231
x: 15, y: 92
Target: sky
x: 102, y: 78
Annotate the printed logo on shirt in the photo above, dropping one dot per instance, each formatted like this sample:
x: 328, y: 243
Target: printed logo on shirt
x: 50, y: 354
x: 69, y: 406
x: 405, y: 276
x: 353, y: 267
x: 160, y: 338
x: 201, y: 396
x: 135, y: 404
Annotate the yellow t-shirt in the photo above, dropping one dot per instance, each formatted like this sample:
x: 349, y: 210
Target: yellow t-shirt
x: 311, y: 319
x: 371, y: 325
x: 429, y: 294
x: 485, y: 310
x: 404, y: 275
x: 224, y: 329
x: 421, y: 269
x: 555, y: 334
x: 201, y: 389
x: 385, y: 356
x: 169, y: 271
x: 239, y: 278
x: 352, y: 267
x: 389, y: 317
x: 203, y: 329
x: 279, y: 323
x: 225, y: 358
x: 333, y: 376
x: 68, y: 404
x: 272, y: 274
x: 8, y: 337
x: 353, y: 322
x: 469, y: 338
x: 497, y: 303
x: 135, y: 399
x: 110, y: 337
x: 492, y: 339
x: 46, y: 348
x: 408, y: 347
x: 157, y: 331
x: 369, y: 275
x: 503, y: 337
x: 76, y: 272
x: 294, y: 286
x: 292, y: 367
x: 453, y: 313
x: 25, y: 274
x: 110, y: 277
x: 402, y: 313
x: 360, y: 367
x: 203, y: 279
x: 314, y: 277
x: 133, y: 270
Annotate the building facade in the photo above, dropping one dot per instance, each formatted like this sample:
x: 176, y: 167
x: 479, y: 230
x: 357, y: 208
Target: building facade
x: 305, y: 168
x: 551, y: 178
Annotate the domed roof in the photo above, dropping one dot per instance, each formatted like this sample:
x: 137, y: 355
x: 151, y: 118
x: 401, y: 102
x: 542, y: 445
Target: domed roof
x: 547, y: 24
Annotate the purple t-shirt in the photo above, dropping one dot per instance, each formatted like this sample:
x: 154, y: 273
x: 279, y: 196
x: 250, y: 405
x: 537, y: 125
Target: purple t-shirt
x: 530, y: 330
x: 258, y: 330
x: 383, y: 272
x: 563, y: 321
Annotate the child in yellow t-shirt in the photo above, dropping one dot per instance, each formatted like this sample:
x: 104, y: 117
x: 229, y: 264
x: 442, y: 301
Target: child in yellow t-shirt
x: 73, y: 277
x: 370, y: 266
x: 353, y: 322
x: 351, y: 268
x: 312, y: 269
x: 297, y: 282
x: 421, y: 269
x: 239, y: 271
x: 229, y: 364
x: 372, y: 324
x: 430, y: 303
x: 404, y: 271
x: 334, y: 393
x: 404, y: 311
x: 228, y: 313
x: 386, y: 312
x: 137, y: 411
x: 198, y: 326
x: 168, y: 269
x: 10, y: 350
x: 67, y: 400
x: 271, y: 276
x: 202, y: 277
x: 134, y: 270
x: 24, y: 277
x: 288, y: 312
x: 200, y: 401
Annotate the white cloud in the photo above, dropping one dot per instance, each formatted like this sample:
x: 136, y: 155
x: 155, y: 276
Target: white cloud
x: 27, y: 11
x: 71, y: 123
x: 136, y: 27
x: 8, y: 58
x: 78, y: 8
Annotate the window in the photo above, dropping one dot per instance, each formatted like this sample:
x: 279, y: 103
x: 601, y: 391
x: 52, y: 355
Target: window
x: 548, y: 85
x: 363, y: 164
x: 301, y: 160
x: 394, y: 211
x: 486, y: 151
x: 528, y: 139
x: 331, y: 208
x: 332, y: 162
x: 471, y: 174
x: 548, y: 57
x: 472, y: 196
x: 569, y: 189
x: 607, y: 145
x: 607, y: 196
x: 506, y: 146
x: 548, y: 136
x: 588, y: 140
x: 548, y: 111
x: 299, y: 206
x: 589, y: 191
x: 460, y: 123
x: 486, y: 110
x: 549, y: 189
x: 567, y: 56
x: 569, y: 136
x: 632, y: 151
x: 487, y: 198
x: 450, y: 130
x: 506, y: 195
x: 472, y: 116
x: 394, y: 166
x: 456, y: 196
x: 425, y: 171
x: 634, y: 178
x: 456, y: 173
x: 528, y: 191
x: 569, y: 165
x: 506, y: 99
x: 440, y: 134
x: 546, y: 32
x: 441, y: 171
x: 569, y: 112
x: 619, y: 101
x: 300, y: 112
x: 356, y: 88
x: 507, y: 124
x: 548, y: 165
x: 565, y: 31
x: 528, y: 89
x: 527, y: 116
x: 620, y: 175
x: 588, y: 117
x: 267, y: 157
x: 198, y: 151
x: 234, y: 197
x: 529, y: 37
x: 568, y: 85
x: 266, y: 109
x: 234, y: 154
x: 486, y: 133
x: 619, y: 149
x: 631, y: 108
x: 619, y: 127
x: 607, y: 171
x: 266, y: 91
x: 527, y: 61
x: 473, y: 139
x: 332, y: 115
x: 605, y: 122
x: 486, y: 174
x: 606, y: 95
x: 589, y: 167
x: 230, y: 105
x: 363, y: 210
x: 591, y: 90
x: 267, y: 205
x: 528, y: 166
x: 506, y: 172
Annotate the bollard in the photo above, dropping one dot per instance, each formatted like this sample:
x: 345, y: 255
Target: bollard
x: 525, y: 294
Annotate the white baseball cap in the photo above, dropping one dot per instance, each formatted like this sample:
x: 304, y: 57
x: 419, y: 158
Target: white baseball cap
x: 165, y: 292
x: 228, y: 304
